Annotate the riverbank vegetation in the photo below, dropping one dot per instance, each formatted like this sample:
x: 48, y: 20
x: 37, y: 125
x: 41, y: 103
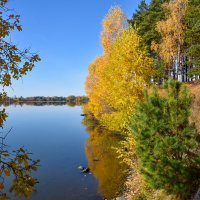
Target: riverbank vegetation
x: 41, y: 100
x: 158, y: 47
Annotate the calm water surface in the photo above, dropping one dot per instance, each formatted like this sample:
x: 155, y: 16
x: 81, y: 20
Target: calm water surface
x: 57, y: 136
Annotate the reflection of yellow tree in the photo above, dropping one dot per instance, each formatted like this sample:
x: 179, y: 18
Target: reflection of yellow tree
x: 103, y: 161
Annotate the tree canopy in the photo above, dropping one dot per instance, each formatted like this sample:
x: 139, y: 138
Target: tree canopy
x: 14, y: 63
x: 117, y: 78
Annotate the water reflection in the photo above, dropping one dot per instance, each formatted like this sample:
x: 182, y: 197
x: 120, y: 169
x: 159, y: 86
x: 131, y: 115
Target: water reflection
x: 61, y: 137
x: 43, y: 103
x: 16, y: 167
x: 56, y: 135
x: 103, y: 161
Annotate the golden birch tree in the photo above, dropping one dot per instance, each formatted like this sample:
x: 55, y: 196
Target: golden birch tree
x: 113, y: 23
x: 95, y: 88
x: 117, y: 79
x: 127, y: 72
x: 90, y: 79
x: 171, y: 47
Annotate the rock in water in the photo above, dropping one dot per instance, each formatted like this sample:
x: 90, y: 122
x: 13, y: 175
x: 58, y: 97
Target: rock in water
x: 81, y: 167
x: 86, y: 170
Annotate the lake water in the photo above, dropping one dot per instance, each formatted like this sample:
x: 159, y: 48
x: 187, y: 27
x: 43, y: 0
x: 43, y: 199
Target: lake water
x: 57, y: 136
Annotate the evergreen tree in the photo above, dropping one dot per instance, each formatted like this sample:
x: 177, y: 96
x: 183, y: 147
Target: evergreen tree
x: 138, y: 16
x: 167, y: 144
x: 145, y: 20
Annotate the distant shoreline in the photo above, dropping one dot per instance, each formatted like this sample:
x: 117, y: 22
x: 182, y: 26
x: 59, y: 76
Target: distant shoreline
x: 70, y: 100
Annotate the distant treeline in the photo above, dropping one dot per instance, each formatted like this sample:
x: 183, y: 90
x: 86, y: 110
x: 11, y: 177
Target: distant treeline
x: 41, y: 100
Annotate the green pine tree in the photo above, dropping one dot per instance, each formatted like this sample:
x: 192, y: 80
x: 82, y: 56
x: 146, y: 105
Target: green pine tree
x: 145, y: 19
x: 167, y: 144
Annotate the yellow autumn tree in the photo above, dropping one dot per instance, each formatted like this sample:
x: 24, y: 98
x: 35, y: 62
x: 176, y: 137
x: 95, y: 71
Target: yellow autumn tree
x: 95, y: 90
x: 91, y: 78
x: 116, y: 79
x: 172, y: 29
x: 127, y: 72
x: 113, y: 23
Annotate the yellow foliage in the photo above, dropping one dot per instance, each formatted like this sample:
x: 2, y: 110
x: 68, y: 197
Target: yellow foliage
x: 171, y: 30
x: 91, y: 77
x: 96, y: 92
x: 116, y: 80
x: 120, y: 78
x: 127, y: 72
x: 113, y: 23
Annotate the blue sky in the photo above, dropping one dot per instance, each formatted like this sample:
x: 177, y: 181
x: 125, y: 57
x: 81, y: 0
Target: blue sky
x: 66, y: 34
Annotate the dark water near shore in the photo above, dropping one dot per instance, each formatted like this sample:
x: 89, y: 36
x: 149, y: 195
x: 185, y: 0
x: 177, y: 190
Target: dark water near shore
x: 57, y: 136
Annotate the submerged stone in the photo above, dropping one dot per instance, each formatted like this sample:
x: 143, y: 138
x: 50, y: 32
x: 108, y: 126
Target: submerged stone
x: 81, y: 167
x: 86, y: 170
